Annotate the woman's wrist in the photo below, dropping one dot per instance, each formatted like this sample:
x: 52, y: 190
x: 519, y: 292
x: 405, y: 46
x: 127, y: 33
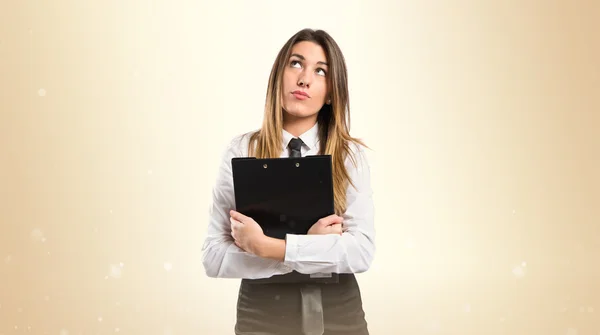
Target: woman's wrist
x: 269, y: 247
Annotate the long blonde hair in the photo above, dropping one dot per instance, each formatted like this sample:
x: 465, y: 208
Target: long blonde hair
x: 333, y: 119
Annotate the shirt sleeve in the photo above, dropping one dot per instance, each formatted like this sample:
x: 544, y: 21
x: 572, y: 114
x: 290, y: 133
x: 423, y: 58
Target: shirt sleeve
x: 353, y: 251
x: 220, y: 256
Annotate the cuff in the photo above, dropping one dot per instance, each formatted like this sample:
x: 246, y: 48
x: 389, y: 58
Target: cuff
x: 291, y: 248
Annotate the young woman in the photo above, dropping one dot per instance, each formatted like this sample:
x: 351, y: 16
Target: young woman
x: 306, y: 113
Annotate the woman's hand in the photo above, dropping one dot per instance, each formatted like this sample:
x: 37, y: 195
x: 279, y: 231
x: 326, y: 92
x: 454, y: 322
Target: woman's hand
x: 246, y: 233
x: 331, y: 224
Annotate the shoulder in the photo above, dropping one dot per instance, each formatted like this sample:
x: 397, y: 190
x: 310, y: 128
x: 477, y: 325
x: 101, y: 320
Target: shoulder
x: 238, y: 145
x: 357, y: 155
x: 358, y: 167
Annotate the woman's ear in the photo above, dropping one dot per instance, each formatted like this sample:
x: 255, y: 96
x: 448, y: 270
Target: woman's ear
x: 328, y: 101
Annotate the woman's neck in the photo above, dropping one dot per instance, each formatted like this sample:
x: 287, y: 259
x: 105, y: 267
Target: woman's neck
x: 298, y: 126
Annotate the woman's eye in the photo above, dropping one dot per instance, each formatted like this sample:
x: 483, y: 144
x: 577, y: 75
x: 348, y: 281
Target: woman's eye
x: 321, y: 72
x: 295, y: 63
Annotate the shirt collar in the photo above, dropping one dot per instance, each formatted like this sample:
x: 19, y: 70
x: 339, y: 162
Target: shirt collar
x: 310, y: 137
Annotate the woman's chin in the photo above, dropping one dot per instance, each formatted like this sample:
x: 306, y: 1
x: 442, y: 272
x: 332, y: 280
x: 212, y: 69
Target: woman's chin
x: 300, y: 114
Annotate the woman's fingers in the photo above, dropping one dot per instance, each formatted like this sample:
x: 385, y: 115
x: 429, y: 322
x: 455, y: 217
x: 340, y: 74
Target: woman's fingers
x: 239, y: 216
x: 336, y: 228
x: 331, y: 219
x: 235, y: 226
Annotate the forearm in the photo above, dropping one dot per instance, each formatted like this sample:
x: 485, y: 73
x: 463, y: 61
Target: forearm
x: 352, y: 252
x: 225, y: 260
x: 271, y: 248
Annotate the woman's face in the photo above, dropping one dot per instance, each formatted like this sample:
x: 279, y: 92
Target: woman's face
x: 305, y: 80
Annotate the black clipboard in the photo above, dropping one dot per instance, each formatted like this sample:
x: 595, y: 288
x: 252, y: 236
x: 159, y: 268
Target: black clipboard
x: 285, y: 195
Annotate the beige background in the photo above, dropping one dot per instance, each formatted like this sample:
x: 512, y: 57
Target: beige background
x: 483, y: 118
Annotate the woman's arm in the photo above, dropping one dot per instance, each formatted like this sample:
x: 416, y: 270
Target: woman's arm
x: 273, y: 248
x: 221, y: 257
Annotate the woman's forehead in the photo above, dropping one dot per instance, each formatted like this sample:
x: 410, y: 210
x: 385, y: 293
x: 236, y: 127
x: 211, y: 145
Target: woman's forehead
x: 309, y: 51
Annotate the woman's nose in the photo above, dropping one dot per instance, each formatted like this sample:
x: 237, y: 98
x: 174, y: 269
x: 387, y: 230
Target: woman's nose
x: 303, y: 80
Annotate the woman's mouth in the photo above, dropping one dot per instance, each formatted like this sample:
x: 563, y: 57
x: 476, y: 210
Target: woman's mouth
x: 300, y: 95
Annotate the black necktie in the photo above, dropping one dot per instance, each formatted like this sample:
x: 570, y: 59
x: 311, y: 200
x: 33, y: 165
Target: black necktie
x: 295, y: 147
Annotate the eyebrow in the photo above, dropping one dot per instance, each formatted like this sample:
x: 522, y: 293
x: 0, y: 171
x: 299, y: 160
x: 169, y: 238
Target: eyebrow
x: 302, y: 57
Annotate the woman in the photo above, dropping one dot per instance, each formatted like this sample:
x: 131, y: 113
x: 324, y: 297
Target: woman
x: 306, y: 113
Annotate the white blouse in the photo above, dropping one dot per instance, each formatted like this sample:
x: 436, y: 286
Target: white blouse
x: 351, y: 252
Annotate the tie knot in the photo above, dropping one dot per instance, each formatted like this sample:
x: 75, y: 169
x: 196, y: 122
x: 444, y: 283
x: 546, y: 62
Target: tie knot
x: 295, y: 148
x: 296, y: 144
